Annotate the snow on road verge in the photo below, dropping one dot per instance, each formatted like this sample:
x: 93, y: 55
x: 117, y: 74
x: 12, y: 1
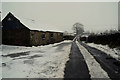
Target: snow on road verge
x: 114, y: 53
x: 94, y: 67
x: 35, y: 62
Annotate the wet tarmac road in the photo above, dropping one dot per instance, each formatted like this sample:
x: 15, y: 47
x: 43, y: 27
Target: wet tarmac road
x: 109, y: 64
x: 76, y: 67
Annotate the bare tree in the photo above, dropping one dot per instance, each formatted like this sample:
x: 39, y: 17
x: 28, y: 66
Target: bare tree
x: 78, y: 28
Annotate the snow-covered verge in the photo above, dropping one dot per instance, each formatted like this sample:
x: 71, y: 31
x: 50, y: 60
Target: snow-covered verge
x: 114, y: 53
x: 35, y: 62
x: 94, y: 67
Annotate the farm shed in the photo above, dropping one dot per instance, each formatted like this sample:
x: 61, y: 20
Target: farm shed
x: 15, y: 33
x: 44, y: 37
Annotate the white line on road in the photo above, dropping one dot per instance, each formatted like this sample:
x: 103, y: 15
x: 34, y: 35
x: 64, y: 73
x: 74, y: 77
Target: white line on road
x: 94, y: 67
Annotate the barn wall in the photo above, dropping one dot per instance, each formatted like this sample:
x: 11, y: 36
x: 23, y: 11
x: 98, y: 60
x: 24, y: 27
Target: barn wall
x: 47, y: 37
x: 15, y: 33
x: 36, y: 37
x: 58, y: 37
x: 24, y: 37
x: 19, y: 37
x: 55, y: 37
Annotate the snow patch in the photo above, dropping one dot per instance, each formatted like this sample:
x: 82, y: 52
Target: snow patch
x: 94, y: 67
x: 41, y: 62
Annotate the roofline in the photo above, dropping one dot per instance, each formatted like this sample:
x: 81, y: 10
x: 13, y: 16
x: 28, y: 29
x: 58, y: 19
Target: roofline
x: 29, y: 28
x: 45, y: 31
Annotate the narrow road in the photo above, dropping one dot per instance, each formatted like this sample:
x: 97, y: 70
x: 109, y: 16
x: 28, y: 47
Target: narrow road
x: 76, y: 67
x: 109, y: 64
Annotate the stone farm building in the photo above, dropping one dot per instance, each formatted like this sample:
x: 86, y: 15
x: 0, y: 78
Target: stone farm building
x: 15, y: 33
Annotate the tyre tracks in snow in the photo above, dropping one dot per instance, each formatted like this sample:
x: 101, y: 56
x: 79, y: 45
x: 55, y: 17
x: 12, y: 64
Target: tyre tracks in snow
x: 83, y: 64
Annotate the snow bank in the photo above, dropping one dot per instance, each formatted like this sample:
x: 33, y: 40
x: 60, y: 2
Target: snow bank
x: 94, y: 67
x: 38, y: 62
x: 114, y: 53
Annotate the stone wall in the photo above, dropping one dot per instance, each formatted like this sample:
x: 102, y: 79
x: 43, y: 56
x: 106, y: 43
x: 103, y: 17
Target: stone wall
x: 25, y: 37
x: 43, y: 38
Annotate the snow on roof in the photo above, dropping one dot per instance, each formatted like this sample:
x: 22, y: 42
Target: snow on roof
x: 11, y: 22
x: 37, y: 25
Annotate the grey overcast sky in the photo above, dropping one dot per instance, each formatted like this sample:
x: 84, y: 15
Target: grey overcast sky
x: 95, y: 16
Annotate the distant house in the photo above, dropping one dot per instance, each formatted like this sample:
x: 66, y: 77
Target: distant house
x: 15, y: 33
